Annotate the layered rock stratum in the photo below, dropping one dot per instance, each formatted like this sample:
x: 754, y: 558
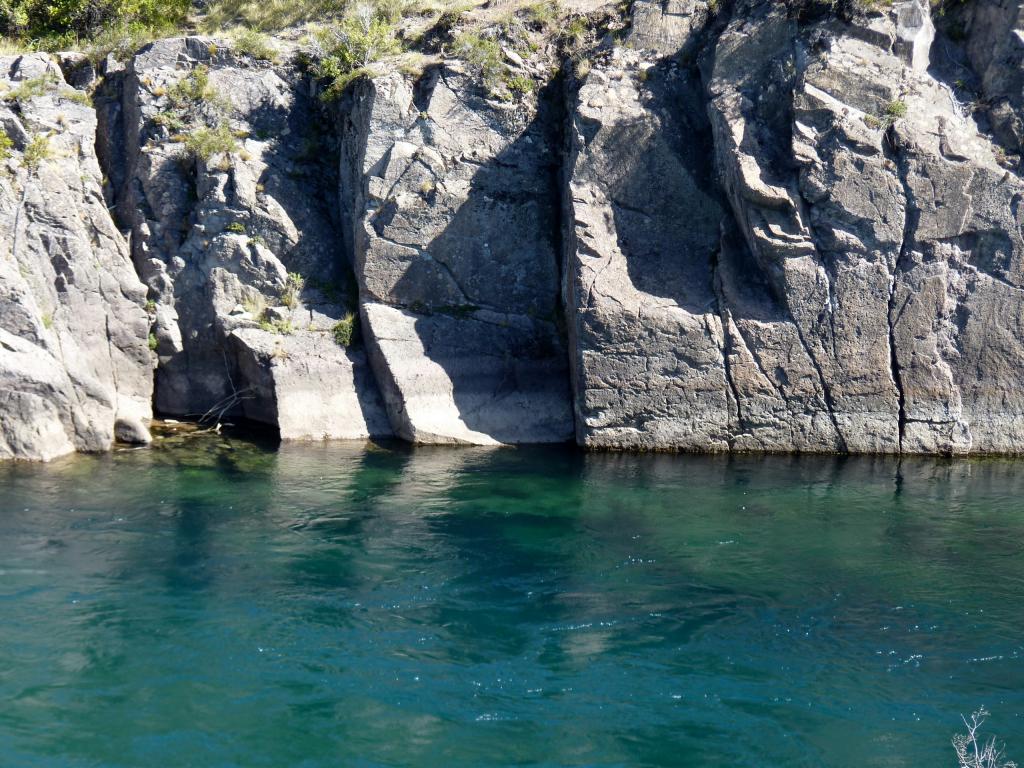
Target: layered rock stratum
x: 703, y: 226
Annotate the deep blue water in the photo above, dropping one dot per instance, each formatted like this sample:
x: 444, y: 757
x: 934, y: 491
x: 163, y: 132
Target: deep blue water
x: 224, y: 603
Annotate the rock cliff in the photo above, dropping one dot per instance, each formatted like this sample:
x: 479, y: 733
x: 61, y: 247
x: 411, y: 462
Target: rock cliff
x: 75, y: 368
x: 702, y: 226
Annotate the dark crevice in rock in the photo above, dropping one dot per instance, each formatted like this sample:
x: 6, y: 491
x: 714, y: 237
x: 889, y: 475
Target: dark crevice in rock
x: 353, y: 118
x: 727, y: 345
x: 555, y: 92
x: 569, y: 243
x: 423, y: 88
x: 895, y: 153
x: 826, y: 389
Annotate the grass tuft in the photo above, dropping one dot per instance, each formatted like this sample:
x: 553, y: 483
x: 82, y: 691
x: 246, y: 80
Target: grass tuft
x: 346, y: 330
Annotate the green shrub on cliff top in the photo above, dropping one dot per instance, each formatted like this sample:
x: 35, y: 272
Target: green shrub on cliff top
x: 344, y: 51
x: 68, y: 21
x: 267, y: 15
x: 543, y: 13
x: 484, y: 55
x: 121, y: 39
x: 255, y: 44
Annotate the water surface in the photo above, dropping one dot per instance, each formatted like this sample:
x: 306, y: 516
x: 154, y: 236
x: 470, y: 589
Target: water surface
x: 231, y: 604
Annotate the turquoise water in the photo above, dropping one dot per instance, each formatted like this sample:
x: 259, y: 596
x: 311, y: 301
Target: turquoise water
x: 227, y: 604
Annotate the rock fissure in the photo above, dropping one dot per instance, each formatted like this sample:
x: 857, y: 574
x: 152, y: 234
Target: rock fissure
x: 897, y: 155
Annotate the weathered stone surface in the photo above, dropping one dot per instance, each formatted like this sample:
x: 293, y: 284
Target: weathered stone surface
x: 452, y: 206
x: 872, y: 241
x: 256, y: 227
x: 308, y: 387
x: 643, y: 223
x: 485, y: 379
x: 880, y: 219
x: 780, y: 400
x: 73, y: 331
x: 667, y: 27
x: 994, y: 44
x: 825, y: 239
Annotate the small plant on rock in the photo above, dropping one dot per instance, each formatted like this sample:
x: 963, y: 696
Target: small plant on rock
x: 252, y: 43
x: 254, y: 303
x: 199, y: 115
x: 29, y: 89
x: 78, y: 97
x: 543, y: 13
x: 204, y: 143
x: 37, y: 151
x: 576, y: 33
x: 895, y: 110
x: 292, y: 290
x: 277, y: 326
x: 6, y: 145
x: 346, y: 330
x: 484, y: 55
x: 195, y: 95
x: 521, y: 84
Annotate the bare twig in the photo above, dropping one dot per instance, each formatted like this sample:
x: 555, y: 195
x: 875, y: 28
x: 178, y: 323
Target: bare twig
x: 216, y: 411
x: 972, y: 752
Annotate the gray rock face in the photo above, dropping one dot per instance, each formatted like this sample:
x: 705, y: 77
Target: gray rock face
x: 755, y: 226
x: 825, y: 238
x: 892, y: 242
x: 308, y: 386
x: 251, y: 226
x: 846, y: 300
x: 667, y: 27
x: 451, y: 203
x: 994, y: 32
x: 647, y: 338
x: 73, y: 331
